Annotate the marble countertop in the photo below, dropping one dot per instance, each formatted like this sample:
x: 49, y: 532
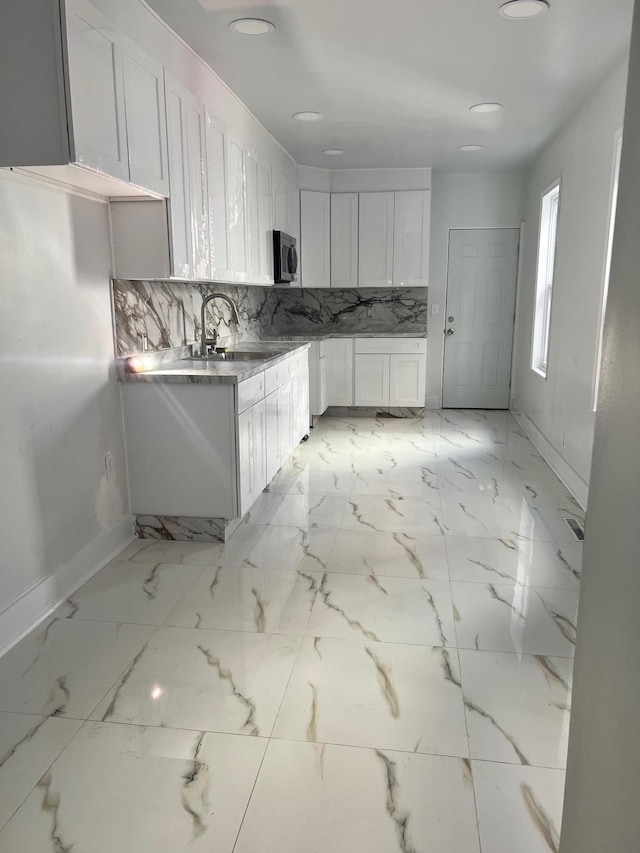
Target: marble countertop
x: 171, y: 365
x: 344, y: 330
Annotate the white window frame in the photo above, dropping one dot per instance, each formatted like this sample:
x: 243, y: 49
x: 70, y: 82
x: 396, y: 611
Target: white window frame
x: 545, y: 275
x: 613, y: 205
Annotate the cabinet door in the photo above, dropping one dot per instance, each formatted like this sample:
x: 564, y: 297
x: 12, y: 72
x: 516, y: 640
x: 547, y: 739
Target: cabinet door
x: 407, y: 379
x: 280, y: 215
x: 236, y: 211
x: 195, y: 146
x: 271, y: 405
x: 217, y: 200
x: 411, y: 238
x: 372, y: 380
x: 265, y: 223
x: 339, y: 361
x: 259, y: 448
x: 285, y: 422
x: 246, y: 440
x: 344, y: 239
x: 375, y: 241
x: 179, y: 202
x: 96, y: 86
x: 293, y: 210
x: 315, y: 237
x: 252, y: 216
x: 146, y: 120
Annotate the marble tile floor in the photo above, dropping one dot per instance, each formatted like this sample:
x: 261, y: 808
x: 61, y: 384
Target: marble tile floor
x: 378, y: 660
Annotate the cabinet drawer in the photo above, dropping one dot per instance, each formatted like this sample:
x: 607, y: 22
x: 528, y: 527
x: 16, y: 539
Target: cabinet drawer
x: 277, y: 375
x: 391, y: 345
x: 250, y: 391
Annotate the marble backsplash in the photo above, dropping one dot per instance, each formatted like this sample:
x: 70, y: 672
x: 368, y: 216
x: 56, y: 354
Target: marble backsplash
x: 168, y: 313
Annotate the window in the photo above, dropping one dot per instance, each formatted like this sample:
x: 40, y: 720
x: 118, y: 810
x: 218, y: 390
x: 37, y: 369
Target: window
x: 607, y: 267
x: 544, y: 278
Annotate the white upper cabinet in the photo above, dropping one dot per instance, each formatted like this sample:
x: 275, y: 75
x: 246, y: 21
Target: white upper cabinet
x: 236, y: 211
x: 258, y: 219
x: 344, y: 239
x: 411, y: 238
x: 375, y: 243
x: 315, y: 239
x: 188, y: 206
x: 217, y: 198
x: 146, y: 120
x: 96, y: 86
x: 265, y: 223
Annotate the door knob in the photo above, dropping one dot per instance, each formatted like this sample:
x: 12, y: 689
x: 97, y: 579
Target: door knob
x: 449, y: 332
x: 450, y: 319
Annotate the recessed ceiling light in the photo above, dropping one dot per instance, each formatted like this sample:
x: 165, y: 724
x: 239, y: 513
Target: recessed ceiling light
x: 470, y: 147
x: 251, y: 27
x: 308, y: 115
x: 519, y: 9
x: 489, y: 107
x: 333, y: 152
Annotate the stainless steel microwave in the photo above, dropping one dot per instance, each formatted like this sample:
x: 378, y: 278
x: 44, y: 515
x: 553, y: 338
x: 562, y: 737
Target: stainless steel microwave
x: 285, y: 258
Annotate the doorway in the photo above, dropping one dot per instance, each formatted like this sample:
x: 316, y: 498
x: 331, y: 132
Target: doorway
x: 481, y: 294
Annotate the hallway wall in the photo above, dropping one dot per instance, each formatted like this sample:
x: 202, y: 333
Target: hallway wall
x: 61, y: 513
x: 601, y: 803
x: 557, y: 410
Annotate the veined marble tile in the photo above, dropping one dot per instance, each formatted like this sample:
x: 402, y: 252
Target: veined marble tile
x: 340, y: 799
x: 503, y: 561
x: 517, y: 707
x: 389, y: 554
x: 131, y: 550
x: 515, y: 618
x: 512, y: 522
x: 290, y: 480
x: 383, y: 609
x: 279, y: 547
x: 184, y: 553
x: 271, y: 601
x: 224, y: 681
x: 28, y: 746
x: 129, y: 788
x: 382, y: 515
x: 305, y: 511
x: 519, y: 808
x: 64, y: 667
x: 426, y: 488
x: 130, y: 592
x: 471, y: 468
x: 539, y: 491
x: 485, y: 490
x: 382, y: 695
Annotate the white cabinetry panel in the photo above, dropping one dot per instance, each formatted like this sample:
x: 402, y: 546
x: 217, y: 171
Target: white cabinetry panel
x: 252, y: 456
x: 407, y: 380
x: 265, y: 223
x: 146, y: 120
x: 179, y: 214
x: 411, y: 238
x: 236, y: 210
x: 315, y: 239
x: 217, y: 200
x: 375, y: 242
x: 258, y: 219
x: 198, y: 203
x: 344, y: 239
x: 371, y: 380
x: 339, y: 360
x: 94, y: 48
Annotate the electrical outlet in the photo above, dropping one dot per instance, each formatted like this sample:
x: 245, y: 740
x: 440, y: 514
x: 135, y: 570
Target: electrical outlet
x: 110, y: 467
x: 369, y: 311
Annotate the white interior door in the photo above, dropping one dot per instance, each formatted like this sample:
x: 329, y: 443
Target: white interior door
x: 481, y: 291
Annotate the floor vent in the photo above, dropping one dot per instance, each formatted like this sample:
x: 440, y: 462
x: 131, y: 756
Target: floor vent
x: 575, y: 528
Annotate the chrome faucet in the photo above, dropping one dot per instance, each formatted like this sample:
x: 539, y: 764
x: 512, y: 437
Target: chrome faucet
x: 206, y: 342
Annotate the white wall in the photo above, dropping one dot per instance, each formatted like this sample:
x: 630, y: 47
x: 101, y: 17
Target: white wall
x: 601, y: 801
x: 60, y: 413
x: 558, y: 408
x: 462, y: 200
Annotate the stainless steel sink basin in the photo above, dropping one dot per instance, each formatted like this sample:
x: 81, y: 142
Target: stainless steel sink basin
x: 236, y: 355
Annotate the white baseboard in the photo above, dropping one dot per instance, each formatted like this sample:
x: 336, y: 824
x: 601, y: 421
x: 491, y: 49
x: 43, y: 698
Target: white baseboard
x: 37, y: 603
x: 573, y: 481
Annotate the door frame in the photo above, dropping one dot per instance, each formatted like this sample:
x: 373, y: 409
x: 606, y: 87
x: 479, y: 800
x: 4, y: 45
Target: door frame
x: 516, y: 308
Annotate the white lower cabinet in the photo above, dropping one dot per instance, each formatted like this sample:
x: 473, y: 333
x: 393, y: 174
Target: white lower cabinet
x: 317, y: 378
x: 252, y: 455
x: 407, y: 379
x: 208, y: 451
x: 371, y: 380
x: 339, y: 360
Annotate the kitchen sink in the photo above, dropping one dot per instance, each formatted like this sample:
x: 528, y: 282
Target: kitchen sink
x: 236, y: 355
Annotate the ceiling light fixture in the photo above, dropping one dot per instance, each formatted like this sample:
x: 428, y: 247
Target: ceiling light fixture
x: 521, y: 9
x: 308, y: 115
x: 333, y: 152
x: 251, y: 27
x: 470, y: 148
x: 489, y: 107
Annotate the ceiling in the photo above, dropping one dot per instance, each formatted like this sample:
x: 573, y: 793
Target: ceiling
x: 395, y: 80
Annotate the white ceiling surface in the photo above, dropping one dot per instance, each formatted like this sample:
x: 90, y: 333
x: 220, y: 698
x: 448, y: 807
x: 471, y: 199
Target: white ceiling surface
x: 395, y: 80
